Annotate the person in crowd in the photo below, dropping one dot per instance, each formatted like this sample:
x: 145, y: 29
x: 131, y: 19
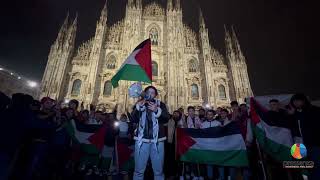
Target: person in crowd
x: 306, y: 126
x: 17, y: 116
x: 192, y: 121
x: 35, y: 106
x: 41, y: 130
x: 171, y: 163
x: 208, y: 123
x: 235, y: 111
x: 182, y: 123
x: 151, y: 114
x: 98, y: 118
x: 245, y: 128
x: 85, y: 116
x: 276, y: 117
x: 202, y: 114
x: 225, y: 120
x: 218, y: 113
x: 60, y: 144
x: 74, y: 104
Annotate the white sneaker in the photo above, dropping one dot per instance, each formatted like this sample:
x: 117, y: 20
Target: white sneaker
x: 181, y: 178
x: 201, y: 178
x: 195, y: 178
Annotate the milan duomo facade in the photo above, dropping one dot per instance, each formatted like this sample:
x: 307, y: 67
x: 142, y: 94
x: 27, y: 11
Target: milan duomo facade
x: 187, y: 70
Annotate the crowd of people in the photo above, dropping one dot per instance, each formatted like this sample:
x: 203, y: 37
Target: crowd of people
x: 35, y: 143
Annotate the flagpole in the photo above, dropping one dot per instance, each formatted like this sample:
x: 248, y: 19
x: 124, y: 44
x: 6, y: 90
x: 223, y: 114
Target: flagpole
x: 261, y: 161
x: 126, y: 96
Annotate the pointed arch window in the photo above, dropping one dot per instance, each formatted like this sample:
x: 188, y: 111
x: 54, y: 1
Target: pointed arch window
x: 194, y: 91
x: 107, y: 90
x: 193, y: 65
x: 222, y: 92
x: 154, y: 36
x: 111, y: 62
x: 154, y: 68
x: 76, y: 87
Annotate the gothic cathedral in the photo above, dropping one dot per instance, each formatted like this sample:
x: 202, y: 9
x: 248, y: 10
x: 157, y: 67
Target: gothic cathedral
x: 186, y: 69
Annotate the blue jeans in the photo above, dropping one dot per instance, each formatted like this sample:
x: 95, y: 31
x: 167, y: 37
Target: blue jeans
x: 210, y: 172
x: 141, y: 157
x: 233, y: 173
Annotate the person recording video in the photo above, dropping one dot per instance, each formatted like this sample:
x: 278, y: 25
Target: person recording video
x: 150, y: 114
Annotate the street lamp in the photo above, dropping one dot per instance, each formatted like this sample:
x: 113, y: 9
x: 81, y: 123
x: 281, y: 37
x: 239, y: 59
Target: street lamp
x: 32, y: 84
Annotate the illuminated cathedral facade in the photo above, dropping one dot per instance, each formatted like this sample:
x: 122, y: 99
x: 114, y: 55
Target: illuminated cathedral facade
x: 187, y: 69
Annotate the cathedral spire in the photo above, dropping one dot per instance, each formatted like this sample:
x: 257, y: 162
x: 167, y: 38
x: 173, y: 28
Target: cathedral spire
x: 73, y: 26
x: 201, y: 20
x: 75, y: 21
x: 130, y: 3
x: 63, y: 30
x: 72, y: 30
x: 64, y: 26
x: 228, y: 42
x: 139, y: 4
x: 178, y: 5
x: 169, y: 5
x: 104, y: 13
x: 235, y: 41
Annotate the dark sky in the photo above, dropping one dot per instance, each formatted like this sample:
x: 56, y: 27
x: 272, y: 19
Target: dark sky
x: 280, y: 38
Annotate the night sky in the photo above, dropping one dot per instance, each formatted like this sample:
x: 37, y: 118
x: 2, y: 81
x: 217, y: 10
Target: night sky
x: 280, y: 38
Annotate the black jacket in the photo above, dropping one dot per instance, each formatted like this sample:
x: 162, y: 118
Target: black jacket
x: 309, y: 120
x: 148, y: 130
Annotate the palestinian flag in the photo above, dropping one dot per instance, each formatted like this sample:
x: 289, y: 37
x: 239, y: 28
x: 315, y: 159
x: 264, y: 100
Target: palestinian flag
x: 137, y: 67
x: 89, y: 136
x: 125, y: 154
x: 223, y: 146
x: 274, y: 139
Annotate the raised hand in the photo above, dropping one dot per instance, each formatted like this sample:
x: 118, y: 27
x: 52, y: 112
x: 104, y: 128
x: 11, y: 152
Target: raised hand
x: 152, y: 106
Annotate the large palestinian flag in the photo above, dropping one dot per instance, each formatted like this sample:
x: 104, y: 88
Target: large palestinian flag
x: 222, y: 146
x: 90, y: 137
x: 274, y: 138
x: 137, y: 67
x: 91, y: 140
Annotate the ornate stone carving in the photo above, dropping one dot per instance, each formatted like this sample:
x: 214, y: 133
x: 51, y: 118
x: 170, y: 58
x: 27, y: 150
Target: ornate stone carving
x: 153, y: 10
x: 115, y: 33
x: 83, y: 52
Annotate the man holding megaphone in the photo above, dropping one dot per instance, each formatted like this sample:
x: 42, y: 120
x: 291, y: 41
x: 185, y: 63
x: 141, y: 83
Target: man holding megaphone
x: 150, y: 114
